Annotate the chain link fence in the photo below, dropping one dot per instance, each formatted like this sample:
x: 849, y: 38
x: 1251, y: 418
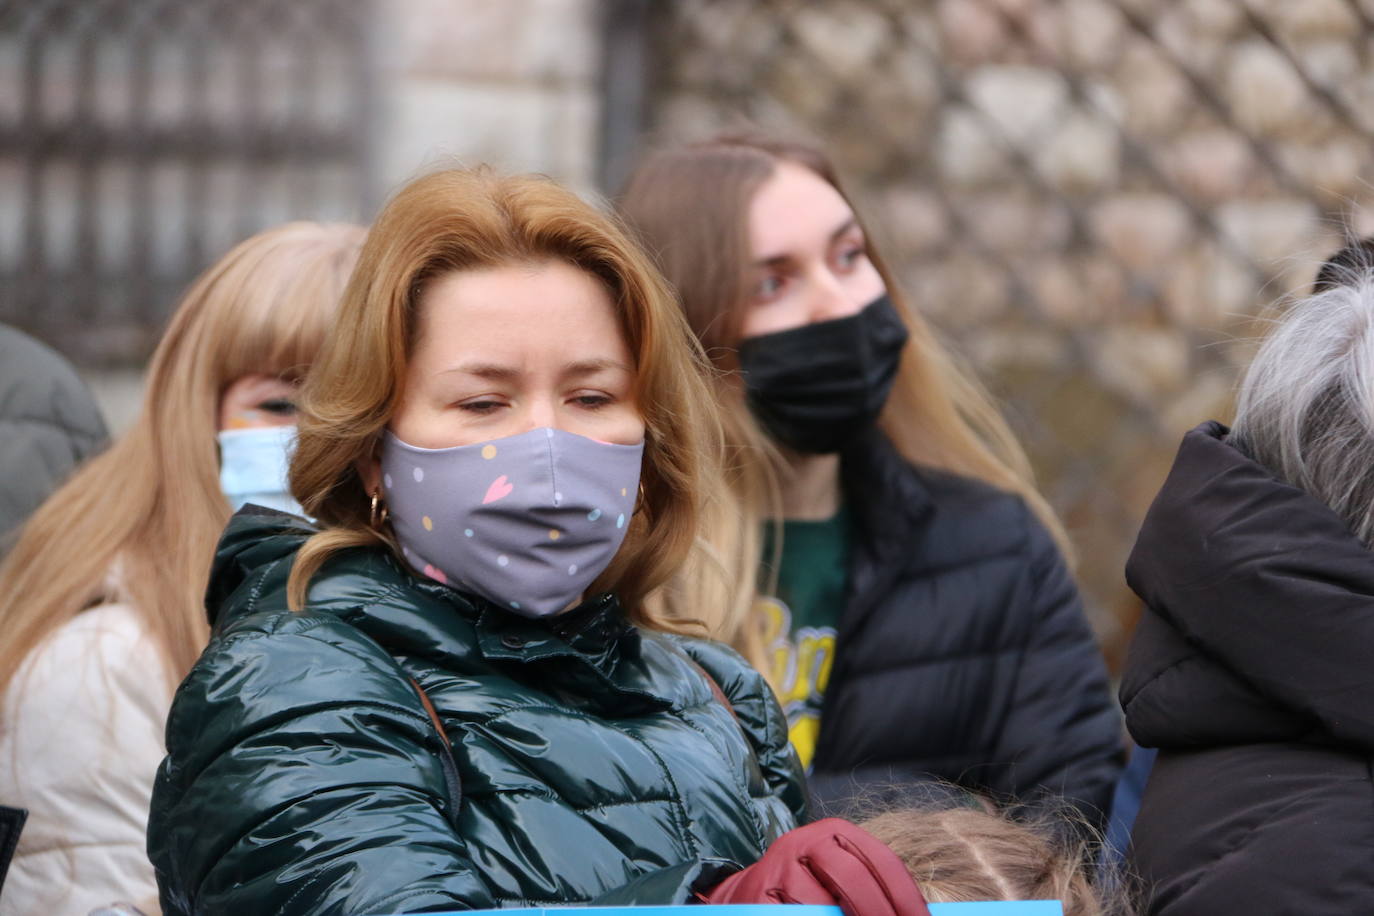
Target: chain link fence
x: 140, y: 139
x: 1093, y: 200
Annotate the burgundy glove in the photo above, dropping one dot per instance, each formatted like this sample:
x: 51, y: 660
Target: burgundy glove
x: 829, y: 862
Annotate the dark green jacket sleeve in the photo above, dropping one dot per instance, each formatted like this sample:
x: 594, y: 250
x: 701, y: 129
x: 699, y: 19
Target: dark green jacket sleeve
x: 301, y: 778
x: 666, y: 886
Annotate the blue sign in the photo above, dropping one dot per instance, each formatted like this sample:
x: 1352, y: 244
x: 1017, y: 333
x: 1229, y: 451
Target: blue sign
x: 989, y: 908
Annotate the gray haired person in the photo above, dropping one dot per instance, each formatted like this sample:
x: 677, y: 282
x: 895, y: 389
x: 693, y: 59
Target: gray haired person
x: 1251, y: 668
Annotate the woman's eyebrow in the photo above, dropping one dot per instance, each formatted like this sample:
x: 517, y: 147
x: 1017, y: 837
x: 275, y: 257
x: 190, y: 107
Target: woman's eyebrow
x: 777, y: 260
x: 781, y: 260
x: 492, y: 371
x: 845, y: 228
x: 593, y: 366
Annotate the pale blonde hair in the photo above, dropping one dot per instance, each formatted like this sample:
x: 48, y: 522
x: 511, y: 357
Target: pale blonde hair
x: 963, y: 854
x: 689, y: 206
x: 459, y: 220
x: 138, y: 523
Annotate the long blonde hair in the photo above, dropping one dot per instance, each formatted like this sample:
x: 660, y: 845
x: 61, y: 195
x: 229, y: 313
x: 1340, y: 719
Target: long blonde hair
x: 138, y: 523
x: 470, y: 219
x: 689, y: 206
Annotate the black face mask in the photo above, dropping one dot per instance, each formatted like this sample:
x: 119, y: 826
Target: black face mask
x: 817, y: 387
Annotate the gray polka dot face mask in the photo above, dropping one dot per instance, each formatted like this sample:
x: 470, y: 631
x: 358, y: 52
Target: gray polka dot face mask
x: 527, y: 521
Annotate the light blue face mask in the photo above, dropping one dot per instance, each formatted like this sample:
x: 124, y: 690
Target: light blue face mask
x: 252, y: 467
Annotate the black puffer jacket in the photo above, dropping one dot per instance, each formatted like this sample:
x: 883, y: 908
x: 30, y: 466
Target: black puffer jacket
x: 1253, y: 673
x: 962, y: 652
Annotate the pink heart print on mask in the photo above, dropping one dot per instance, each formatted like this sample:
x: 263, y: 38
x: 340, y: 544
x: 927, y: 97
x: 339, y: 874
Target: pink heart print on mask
x: 500, y: 488
x: 532, y: 539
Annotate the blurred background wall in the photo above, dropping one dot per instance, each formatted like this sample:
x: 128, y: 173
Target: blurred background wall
x: 1093, y: 200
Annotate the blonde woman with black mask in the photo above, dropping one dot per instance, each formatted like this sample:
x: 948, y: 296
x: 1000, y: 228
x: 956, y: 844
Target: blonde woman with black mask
x: 896, y: 574
x: 102, y: 598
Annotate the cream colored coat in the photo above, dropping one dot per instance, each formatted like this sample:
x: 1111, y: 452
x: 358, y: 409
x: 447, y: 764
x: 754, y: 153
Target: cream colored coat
x: 80, y: 742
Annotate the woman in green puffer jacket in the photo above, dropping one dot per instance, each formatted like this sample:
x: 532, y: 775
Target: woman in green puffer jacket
x: 450, y: 692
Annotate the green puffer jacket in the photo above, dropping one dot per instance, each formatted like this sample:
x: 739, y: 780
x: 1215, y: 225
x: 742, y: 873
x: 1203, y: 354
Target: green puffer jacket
x: 596, y: 761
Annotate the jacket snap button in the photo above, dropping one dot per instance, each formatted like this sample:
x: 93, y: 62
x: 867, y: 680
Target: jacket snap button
x: 511, y: 641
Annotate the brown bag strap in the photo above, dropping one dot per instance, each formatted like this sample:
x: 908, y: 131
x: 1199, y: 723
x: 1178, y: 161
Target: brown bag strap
x: 715, y: 689
x: 452, y: 783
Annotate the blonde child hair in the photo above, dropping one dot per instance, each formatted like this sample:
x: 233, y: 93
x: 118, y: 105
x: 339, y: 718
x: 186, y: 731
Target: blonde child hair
x: 968, y: 853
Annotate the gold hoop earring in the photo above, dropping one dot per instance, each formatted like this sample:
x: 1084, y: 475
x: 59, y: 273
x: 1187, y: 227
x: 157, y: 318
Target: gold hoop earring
x: 379, y: 513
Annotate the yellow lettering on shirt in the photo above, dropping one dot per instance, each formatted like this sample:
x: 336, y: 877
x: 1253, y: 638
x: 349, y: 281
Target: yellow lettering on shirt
x: 801, y: 663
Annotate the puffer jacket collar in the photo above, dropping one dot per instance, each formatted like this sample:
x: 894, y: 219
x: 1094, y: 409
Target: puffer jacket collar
x: 591, y: 648
x: 888, y: 501
x: 890, y: 504
x: 1260, y: 609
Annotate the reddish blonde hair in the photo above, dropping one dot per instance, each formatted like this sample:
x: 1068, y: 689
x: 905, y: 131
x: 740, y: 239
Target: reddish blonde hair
x: 470, y: 219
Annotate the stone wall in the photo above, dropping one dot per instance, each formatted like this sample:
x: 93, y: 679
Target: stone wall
x: 1093, y: 200
x: 511, y: 83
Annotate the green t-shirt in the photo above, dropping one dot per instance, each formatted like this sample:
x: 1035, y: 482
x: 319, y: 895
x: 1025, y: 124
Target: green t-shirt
x: 800, y: 620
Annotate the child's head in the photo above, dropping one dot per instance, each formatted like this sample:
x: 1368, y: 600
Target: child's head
x: 964, y: 854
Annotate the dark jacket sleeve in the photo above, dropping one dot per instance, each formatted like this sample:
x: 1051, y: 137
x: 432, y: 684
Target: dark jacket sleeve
x: 302, y: 777
x: 675, y: 885
x: 1062, y: 733
x: 1269, y: 582
x: 49, y: 423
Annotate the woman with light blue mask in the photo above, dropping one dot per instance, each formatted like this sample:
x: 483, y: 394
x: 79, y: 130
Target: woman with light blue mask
x: 257, y: 431
x: 102, y: 597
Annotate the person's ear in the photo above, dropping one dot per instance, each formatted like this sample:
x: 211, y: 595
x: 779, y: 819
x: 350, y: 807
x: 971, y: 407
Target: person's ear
x: 369, y: 468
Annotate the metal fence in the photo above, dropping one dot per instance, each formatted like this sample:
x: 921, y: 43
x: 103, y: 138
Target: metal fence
x: 1092, y: 199
x: 139, y: 139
